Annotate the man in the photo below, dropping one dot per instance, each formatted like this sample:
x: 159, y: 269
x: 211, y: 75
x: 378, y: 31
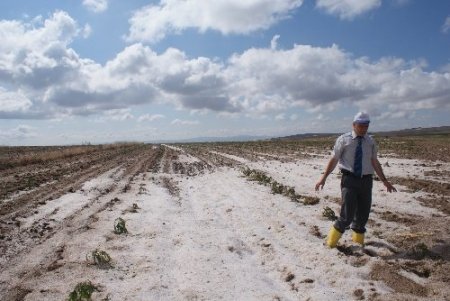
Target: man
x: 356, y: 153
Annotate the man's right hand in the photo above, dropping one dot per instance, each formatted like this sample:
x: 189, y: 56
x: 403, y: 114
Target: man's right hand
x: 320, y: 184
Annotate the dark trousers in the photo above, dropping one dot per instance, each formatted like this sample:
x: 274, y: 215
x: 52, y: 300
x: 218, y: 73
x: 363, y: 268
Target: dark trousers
x: 357, y: 200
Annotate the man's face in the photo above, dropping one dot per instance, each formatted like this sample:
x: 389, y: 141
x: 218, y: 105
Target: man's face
x: 360, y: 128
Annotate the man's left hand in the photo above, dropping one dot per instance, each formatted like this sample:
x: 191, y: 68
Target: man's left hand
x: 389, y: 187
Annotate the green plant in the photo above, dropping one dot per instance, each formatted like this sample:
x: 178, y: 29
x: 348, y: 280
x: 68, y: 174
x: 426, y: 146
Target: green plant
x: 277, y: 188
x: 261, y: 177
x: 247, y: 172
x: 310, y: 200
x: 290, y: 192
x: 329, y: 213
x: 82, y: 291
x: 258, y: 176
x: 99, y: 258
x: 421, y: 250
x: 119, y: 226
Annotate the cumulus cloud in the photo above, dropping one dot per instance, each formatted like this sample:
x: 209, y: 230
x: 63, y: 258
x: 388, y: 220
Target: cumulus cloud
x: 86, y: 32
x: 281, y: 116
x: 49, y: 79
x: 274, y: 42
x: 322, y: 118
x: 118, y: 115
x: 38, y: 56
x: 396, y: 115
x: 446, y: 26
x: 184, y: 122
x: 96, y: 6
x: 53, y: 75
x: 13, y: 101
x: 17, y: 105
x: 21, y: 132
x: 347, y: 9
x: 264, y: 80
x: 150, y: 118
x: 152, y: 23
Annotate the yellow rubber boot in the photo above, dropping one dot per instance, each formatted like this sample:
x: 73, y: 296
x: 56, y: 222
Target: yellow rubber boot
x: 358, y: 237
x: 333, y: 237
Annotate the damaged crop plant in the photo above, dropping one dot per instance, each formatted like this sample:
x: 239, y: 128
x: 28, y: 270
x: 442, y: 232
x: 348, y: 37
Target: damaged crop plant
x: 99, y: 258
x: 82, y: 292
x: 329, y: 214
x: 119, y: 226
x: 278, y: 188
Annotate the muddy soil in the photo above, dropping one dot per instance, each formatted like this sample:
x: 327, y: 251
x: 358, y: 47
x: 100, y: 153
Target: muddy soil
x: 25, y: 203
x: 407, y: 252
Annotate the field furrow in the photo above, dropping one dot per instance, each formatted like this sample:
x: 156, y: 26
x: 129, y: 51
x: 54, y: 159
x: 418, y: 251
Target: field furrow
x: 201, y: 226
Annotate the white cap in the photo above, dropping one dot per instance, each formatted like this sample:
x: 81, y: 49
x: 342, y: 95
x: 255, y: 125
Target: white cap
x: 362, y: 118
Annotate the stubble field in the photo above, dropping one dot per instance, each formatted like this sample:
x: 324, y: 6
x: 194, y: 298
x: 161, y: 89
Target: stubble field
x: 218, y: 221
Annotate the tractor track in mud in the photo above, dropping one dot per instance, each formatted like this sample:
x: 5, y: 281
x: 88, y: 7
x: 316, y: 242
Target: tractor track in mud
x: 172, y: 163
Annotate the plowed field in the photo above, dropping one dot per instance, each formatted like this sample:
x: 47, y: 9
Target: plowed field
x: 228, y: 221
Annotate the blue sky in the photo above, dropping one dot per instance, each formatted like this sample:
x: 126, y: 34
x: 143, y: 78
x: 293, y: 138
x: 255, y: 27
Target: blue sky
x: 103, y: 71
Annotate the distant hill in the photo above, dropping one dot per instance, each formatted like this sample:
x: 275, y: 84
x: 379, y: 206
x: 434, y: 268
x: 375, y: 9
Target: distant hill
x: 216, y: 139
x: 406, y: 132
x: 306, y: 136
x: 225, y: 139
x: 441, y: 130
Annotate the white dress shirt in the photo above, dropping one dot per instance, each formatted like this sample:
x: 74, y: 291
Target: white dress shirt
x: 344, y: 151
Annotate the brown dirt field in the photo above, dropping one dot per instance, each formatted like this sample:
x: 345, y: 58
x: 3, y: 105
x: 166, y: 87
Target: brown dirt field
x: 27, y: 185
x: 135, y: 159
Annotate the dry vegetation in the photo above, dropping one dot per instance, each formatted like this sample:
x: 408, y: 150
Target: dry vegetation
x: 430, y: 147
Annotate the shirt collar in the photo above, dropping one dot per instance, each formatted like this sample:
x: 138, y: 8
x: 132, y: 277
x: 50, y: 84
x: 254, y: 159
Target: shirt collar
x: 354, y: 135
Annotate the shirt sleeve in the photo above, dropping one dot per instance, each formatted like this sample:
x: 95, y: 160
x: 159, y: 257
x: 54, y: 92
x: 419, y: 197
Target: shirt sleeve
x: 338, y: 148
x: 374, y: 151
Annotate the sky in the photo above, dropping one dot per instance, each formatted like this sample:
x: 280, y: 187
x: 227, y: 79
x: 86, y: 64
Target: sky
x: 103, y: 71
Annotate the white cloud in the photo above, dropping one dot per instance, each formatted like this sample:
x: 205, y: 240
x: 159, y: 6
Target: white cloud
x: 184, y: 122
x: 12, y: 135
x: 38, y: 56
x: 274, y: 42
x: 281, y: 116
x: 152, y: 23
x: 262, y: 80
x: 446, y: 26
x: 87, y: 30
x: 96, y: 6
x: 148, y: 117
x: 322, y: 118
x: 401, y: 2
x: 52, y: 75
x: 347, y: 9
x: 60, y: 27
x: 118, y: 114
x: 49, y: 80
x: 396, y: 115
x: 13, y: 101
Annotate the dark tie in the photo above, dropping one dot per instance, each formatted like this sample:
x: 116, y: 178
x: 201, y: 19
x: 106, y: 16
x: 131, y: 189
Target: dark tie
x: 357, y: 167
